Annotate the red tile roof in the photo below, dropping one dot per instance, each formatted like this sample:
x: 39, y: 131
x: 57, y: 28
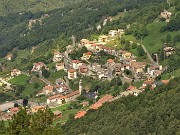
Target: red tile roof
x: 72, y: 70
x: 101, y: 101
x: 165, y: 81
x: 80, y: 114
x: 131, y: 88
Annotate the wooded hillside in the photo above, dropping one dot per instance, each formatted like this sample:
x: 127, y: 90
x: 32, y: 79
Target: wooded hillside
x: 152, y: 112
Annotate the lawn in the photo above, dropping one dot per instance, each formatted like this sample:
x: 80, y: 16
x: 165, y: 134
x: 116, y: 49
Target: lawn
x: 20, y: 80
x: 65, y: 111
x: 55, y: 75
x: 153, y: 42
x: 29, y: 87
x: 166, y: 76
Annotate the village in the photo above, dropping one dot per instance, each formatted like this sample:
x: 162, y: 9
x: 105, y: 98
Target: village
x: 123, y: 64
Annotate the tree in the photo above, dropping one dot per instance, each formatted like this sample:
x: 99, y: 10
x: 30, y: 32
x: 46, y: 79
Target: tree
x: 168, y: 38
x: 16, y: 105
x: 140, y: 50
x: 25, y: 102
x: 134, y: 45
x: 125, y: 86
x: 45, y: 73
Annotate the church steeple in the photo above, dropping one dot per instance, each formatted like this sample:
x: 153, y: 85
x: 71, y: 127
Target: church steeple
x: 80, y: 86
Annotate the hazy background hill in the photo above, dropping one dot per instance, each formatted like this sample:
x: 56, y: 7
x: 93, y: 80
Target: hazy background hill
x: 9, y: 6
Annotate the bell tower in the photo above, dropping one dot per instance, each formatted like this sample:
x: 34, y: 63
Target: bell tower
x: 80, y: 87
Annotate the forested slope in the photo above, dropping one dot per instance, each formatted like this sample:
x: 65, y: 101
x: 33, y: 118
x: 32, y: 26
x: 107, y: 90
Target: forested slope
x: 79, y: 19
x: 152, y: 112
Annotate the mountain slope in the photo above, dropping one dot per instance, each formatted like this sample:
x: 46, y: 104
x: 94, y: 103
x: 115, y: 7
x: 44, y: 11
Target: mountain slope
x: 8, y: 6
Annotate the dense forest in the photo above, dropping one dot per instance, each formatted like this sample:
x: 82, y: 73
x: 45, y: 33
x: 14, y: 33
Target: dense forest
x: 25, y: 123
x: 79, y: 19
x: 152, y: 112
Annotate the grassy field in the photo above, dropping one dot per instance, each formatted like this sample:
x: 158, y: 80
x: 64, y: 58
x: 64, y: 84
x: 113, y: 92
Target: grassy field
x: 29, y: 88
x: 153, y: 42
x: 166, y: 76
x: 55, y: 75
x: 65, y: 111
x: 20, y: 80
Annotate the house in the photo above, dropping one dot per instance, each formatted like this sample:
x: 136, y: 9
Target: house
x: 37, y: 108
x: 84, y: 103
x: 121, y: 31
x: 79, y: 114
x: 57, y: 56
x: 131, y: 88
x: 76, y: 64
x: 110, y: 62
x: 101, y: 101
x: 138, y: 67
x: 15, y: 72
x: 113, y: 33
x: 47, y: 90
x: 168, y: 51
x: 166, y: 14
x: 61, y: 88
x: 38, y: 67
x: 125, y: 66
x: 9, y: 57
x: 61, y: 99
x: 126, y: 54
x: 84, y: 41
x: 103, y: 39
x: 59, y: 66
x: 57, y: 114
x: 72, y: 74
x: 86, y: 56
x: 83, y: 69
x: 165, y: 81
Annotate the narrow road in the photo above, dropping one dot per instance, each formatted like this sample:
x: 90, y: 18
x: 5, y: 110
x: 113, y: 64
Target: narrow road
x: 149, y: 56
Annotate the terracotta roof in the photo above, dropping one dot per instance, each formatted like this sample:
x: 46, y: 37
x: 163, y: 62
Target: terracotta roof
x: 131, y: 88
x: 55, y: 96
x: 76, y: 61
x: 88, y: 53
x: 59, y: 64
x: 72, y: 70
x: 72, y: 94
x: 110, y: 60
x: 14, y: 109
x: 80, y: 114
x: 148, y: 82
x: 101, y: 101
x: 49, y: 88
x: 165, y: 81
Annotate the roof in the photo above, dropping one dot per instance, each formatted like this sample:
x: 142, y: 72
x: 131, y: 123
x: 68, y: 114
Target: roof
x: 55, y: 96
x: 165, y: 81
x: 148, y: 82
x: 48, y: 87
x: 80, y: 114
x: 88, y: 53
x: 57, y: 112
x: 101, y: 101
x: 131, y: 88
x: 110, y: 60
x: 72, y: 94
x: 60, y: 64
x: 72, y: 70
x: 76, y: 61
x: 39, y: 64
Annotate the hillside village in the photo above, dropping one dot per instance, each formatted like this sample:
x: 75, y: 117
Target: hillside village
x: 123, y: 64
